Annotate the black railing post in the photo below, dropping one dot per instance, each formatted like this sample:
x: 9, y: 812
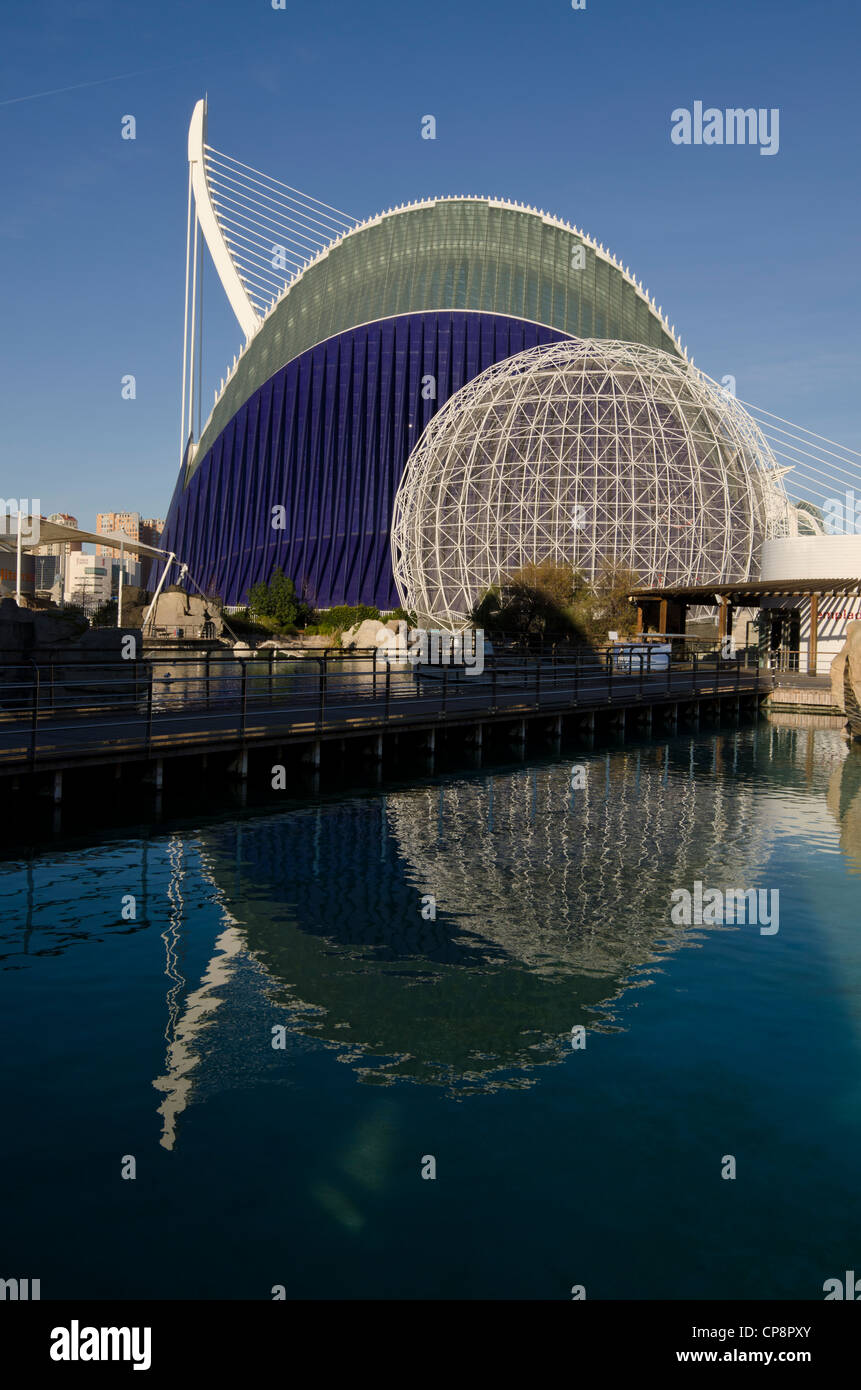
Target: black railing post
x: 321, y: 690
x: 493, y: 685
x: 577, y: 660
x: 444, y: 688
x: 35, y: 721
x: 244, y: 698
x: 642, y: 654
x: 149, y: 708
x: 610, y: 677
x: 538, y: 684
x: 694, y: 670
x: 206, y: 662
x: 271, y: 664
x: 388, y: 688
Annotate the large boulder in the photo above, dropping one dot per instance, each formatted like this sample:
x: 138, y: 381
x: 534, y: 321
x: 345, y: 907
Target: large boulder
x: 846, y: 676
x: 367, y: 633
x: 177, y: 609
x: 16, y: 629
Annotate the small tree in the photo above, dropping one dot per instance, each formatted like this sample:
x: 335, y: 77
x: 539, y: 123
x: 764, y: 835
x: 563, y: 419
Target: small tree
x: 277, y: 604
x: 557, y: 602
x: 533, y: 601
x: 602, y: 607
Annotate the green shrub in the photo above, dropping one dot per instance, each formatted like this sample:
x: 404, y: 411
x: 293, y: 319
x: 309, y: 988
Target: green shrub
x: 277, y: 602
x: 334, y: 620
x: 556, y: 602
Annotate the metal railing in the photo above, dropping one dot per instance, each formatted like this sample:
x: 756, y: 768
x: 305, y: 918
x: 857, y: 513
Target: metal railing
x: 50, y: 714
x: 796, y: 660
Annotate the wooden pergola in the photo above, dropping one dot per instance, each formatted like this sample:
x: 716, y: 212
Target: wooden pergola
x: 666, y: 609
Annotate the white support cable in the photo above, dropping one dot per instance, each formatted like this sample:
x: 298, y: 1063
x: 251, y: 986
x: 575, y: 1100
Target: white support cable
x: 237, y: 234
x: 345, y: 216
x: 773, y: 431
x: 853, y: 471
x: 259, y: 220
x: 258, y: 288
x: 257, y: 260
x: 800, y: 464
x: 222, y: 181
x: 262, y: 271
x: 261, y: 291
x: 256, y: 234
x: 320, y: 233
x: 824, y: 438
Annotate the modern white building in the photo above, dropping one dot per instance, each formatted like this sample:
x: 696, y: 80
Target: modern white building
x: 88, y: 580
x: 805, y: 632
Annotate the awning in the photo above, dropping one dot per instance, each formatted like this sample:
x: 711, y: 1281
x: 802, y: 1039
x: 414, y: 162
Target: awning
x: 50, y: 532
x: 749, y: 593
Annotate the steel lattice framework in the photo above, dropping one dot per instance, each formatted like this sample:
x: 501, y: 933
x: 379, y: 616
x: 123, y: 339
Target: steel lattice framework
x: 592, y: 453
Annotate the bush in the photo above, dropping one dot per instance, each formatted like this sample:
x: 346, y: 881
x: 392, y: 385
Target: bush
x: 334, y: 620
x: 277, y: 603
x: 75, y: 615
x: 536, y: 601
x: 556, y: 603
x: 105, y: 615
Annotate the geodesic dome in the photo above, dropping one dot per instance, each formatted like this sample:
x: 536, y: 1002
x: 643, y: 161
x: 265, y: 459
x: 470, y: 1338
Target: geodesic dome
x: 592, y: 453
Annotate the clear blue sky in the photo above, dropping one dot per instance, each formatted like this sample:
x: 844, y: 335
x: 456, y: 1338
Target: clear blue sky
x: 755, y: 259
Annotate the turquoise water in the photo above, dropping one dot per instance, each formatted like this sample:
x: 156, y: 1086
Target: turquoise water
x: 408, y: 1037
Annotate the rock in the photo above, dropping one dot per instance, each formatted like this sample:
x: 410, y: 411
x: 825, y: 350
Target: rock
x: 177, y: 609
x: 366, y: 634
x: 51, y: 628
x: 846, y: 676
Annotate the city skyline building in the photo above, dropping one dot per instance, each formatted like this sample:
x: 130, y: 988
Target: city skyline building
x: 147, y: 530
x: 87, y: 580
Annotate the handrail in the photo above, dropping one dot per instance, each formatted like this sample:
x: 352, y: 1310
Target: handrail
x: 92, y: 710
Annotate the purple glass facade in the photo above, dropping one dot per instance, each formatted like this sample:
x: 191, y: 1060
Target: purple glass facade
x: 327, y: 438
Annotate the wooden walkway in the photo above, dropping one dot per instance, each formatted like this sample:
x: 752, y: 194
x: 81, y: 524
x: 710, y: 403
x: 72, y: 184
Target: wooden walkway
x: 114, y: 723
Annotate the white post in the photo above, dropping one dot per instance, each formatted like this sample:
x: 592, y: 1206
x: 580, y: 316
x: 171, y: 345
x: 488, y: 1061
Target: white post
x: 18, y: 563
x: 120, y: 589
x: 151, y: 609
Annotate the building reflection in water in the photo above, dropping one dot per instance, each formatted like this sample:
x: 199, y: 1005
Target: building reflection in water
x: 552, y: 903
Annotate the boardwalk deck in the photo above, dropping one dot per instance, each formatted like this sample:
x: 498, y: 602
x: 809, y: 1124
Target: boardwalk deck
x: 320, y: 708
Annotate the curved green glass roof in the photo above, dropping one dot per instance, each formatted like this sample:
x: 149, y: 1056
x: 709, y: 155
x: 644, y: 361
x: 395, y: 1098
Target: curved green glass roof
x: 449, y: 253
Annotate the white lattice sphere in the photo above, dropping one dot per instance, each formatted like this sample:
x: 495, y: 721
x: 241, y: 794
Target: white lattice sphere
x: 591, y: 453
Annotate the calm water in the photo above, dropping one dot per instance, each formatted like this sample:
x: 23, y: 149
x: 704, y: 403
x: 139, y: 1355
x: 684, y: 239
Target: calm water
x: 407, y: 1037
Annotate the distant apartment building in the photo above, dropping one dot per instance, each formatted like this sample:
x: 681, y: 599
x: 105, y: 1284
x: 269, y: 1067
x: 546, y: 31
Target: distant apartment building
x: 118, y: 524
x: 59, y: 548
x: 147, y: 530
x: 52, y: 557
x: 151, y: 530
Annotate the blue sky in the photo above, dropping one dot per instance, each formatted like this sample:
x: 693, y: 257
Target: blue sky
x: 755, y: 259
